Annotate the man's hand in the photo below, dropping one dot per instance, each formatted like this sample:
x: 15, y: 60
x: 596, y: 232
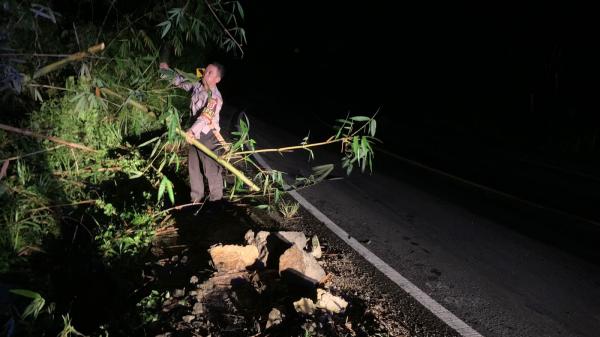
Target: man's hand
x: 189, y: 136
x: 163, y: 65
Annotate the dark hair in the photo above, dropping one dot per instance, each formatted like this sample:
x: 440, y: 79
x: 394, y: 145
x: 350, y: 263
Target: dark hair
x: 220, y: 68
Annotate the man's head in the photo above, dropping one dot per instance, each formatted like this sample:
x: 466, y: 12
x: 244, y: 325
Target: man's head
x: 213, y: 74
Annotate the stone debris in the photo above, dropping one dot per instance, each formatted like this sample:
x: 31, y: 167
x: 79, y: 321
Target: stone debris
x: 305, y: 306
x: 234, y: 288
x: 293, y: 238
x: 260, y: 241
x: 299, y: 266
x: 249, y: 237
x: 329, y: 302
x: 198, y: 308
x: 228, y: 279
x: 275, y: 317
x: 232, y: 257
x: 315, y: 247
x: 188, y: 318
x: 179, y: 293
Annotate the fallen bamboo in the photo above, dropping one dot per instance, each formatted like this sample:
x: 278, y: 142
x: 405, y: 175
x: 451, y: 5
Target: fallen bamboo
x: 295, y: 147
x: 225, y: 164
x: 129, y: 101
x: 50, y: 138
x: 71, y: 58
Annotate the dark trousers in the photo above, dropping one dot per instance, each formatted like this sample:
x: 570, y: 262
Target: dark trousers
x: 200, y: 166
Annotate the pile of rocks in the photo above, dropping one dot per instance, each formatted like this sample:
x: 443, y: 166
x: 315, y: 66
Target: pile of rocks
x: 273, y: 283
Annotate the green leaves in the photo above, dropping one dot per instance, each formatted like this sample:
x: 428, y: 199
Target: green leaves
x: 195, y: 23
x: 166, y: 184
x: 36, y: 305
x: 166, y: 26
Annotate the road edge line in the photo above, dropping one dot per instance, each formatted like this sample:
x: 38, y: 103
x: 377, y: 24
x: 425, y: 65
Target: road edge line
x: 429, y: 303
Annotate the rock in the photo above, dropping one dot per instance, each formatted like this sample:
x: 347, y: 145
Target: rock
x: 294, y: 238
x: 188, y: 318
x: 198, y: 308
x: 275, y: 318
x: 315, y: 247
x: 229, y: 279
x: 166, y: 334
x: 260, y: 241
x: 194, y: 279
x: 178, y: 293
x: 329, y: 302
x: 249, y: 237
x: 232, y: 257
x: 305, y: 306
x: 300, y: 267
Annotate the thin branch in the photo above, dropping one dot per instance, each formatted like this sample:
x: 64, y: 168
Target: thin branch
x: 178, y: 207
x: 291, y: 148
x: 34, y: 55
x: 33, y: 153
x: 91, y: 201
x: 112, y: 4
x: 223, y: 26
x: 50, y: 138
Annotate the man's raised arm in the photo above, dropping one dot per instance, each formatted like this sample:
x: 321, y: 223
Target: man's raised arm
x: 178, y: 81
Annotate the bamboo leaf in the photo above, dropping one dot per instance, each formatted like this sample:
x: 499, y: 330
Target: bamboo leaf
x: 149, y: 141
x: 161, y: 188
x: 373, y: 127
x: 170, y: 191
x: 360, y: 118
x: 166, y: 28
x: 25, y: 293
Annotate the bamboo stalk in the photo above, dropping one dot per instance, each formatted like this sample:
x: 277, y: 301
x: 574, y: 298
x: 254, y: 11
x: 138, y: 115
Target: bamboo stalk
x: 225, y: 164
x: 73, y: 57
x: 129, y: 101
x: 50, y: 138
x: 290, y: 148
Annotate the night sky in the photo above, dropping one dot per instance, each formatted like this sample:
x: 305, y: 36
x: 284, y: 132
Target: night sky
x: 524, y: 76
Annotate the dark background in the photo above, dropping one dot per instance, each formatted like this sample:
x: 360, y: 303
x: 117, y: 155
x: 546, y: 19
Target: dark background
x: 523, y: 75
x: 502, y: 95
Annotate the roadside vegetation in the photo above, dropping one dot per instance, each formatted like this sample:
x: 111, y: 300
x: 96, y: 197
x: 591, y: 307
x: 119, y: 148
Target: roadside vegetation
x: 92, y: 161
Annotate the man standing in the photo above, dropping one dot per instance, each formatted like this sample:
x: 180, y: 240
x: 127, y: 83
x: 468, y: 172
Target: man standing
x: 205, y: 106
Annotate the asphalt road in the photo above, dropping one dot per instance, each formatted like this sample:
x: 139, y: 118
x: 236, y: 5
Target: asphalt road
x: 496, y: 264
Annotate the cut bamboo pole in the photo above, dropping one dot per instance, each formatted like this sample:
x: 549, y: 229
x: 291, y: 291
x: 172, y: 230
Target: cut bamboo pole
x: 129, y: 101
x: 225, y: 164
x: 50, y: 138
x: 71, y: 58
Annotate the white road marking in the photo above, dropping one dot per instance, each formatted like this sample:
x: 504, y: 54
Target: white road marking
x: 437, y: 309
